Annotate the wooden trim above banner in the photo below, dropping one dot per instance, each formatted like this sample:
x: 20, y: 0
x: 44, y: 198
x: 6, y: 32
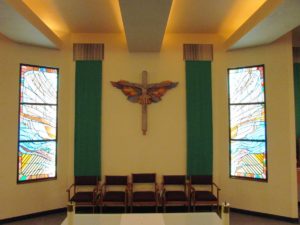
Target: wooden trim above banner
x: 296, y: 54
x: 83, y: 51
x: 197, y: 52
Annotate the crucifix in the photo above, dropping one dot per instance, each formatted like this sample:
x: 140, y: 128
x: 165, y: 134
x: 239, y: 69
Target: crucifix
x: 144, y: 93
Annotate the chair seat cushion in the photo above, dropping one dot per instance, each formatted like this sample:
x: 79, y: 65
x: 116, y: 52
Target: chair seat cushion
x: 82, y: 197
x: 143, y: 196
x: 114, y: 196
x: 204, y: 196
x: 176, y: 196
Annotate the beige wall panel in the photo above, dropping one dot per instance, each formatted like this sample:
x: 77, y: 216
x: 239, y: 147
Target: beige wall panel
x: 20, y: 199
x: 163, y: 150
x: 279, y: 195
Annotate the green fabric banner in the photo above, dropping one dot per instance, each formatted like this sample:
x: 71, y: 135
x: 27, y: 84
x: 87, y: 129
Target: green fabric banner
x: 199, y: 118
x: 88, y: 118
x: 297, y: 97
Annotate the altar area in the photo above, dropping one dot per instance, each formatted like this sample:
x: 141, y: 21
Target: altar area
x: 203, y: 218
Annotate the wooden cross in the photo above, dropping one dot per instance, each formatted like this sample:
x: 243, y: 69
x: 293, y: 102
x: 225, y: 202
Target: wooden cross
x: 144, y: 93
x: 144, y: 106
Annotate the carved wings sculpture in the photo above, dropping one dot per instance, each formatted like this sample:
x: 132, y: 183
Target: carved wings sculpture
x: 144, y: 95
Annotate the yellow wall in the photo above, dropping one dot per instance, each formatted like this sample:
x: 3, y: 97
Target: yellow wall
x: 163, y: 150
x: 124, y: 148
x: 278, y: 196
x: 20, y: 199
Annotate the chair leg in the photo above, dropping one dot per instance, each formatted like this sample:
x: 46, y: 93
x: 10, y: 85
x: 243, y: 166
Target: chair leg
x: 131, y: 208
x: 194, y: 207
x: 218, y: 210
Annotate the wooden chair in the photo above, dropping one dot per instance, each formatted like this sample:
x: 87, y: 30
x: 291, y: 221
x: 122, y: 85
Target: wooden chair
x: 111, y: 195
x: 203, y: 197
x: 148, y: 197
x: 85, y: 190
x: 174, y: 197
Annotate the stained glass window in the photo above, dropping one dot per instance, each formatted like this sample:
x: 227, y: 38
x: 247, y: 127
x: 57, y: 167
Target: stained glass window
x: 37, y: 123
x: 248, y: 150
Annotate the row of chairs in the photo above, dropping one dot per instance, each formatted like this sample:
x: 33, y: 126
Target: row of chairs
x: 143, y: 190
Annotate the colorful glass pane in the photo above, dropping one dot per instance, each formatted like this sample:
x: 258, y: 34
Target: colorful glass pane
x: 246, y: 85
x: 38, y: 85
x: 248, y: 159
x: 37, y: 122
x: 247, y: 122
x: 37, y: 160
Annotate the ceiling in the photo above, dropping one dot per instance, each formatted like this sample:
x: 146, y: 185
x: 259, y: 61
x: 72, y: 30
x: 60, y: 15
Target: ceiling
x: 242, y: 23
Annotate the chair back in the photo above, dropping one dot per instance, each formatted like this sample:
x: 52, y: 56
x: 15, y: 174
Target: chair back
x: 143, y: 178
x: 116, y: 180
x: 177, y: 182
x: 201, y: 179
x: 174, y: 180
x: 86, y: 180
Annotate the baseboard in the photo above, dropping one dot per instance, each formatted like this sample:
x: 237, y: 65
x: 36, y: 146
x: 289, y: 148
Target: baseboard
x: 266, y: 215
x: 60, y: 210
x: 33, y: 215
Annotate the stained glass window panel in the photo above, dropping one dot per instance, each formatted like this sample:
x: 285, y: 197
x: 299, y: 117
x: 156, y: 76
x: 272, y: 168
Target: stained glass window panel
x: 247, y: 122
x: 37, y: 160
x: 248, y: 159
x: 246, y: 85
x: 248, y: 151
x: 37, y: 122
x: 38, y: 85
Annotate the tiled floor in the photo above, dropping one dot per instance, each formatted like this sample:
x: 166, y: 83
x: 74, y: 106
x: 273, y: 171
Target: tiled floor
x: 235, y: 219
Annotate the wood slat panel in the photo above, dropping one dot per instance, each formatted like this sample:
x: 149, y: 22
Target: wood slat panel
x: 198, y: 52
x: 88, y: 51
